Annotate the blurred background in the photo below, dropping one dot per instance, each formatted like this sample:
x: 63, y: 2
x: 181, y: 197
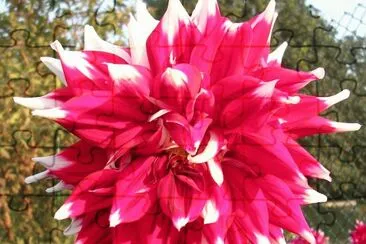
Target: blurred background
x: 330, y: 34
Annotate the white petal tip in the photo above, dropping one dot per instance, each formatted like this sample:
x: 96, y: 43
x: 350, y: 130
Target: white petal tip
x: 210, y: 213
x: 63, y: 212
x: 115, y: 219
x: 56, y: 45
x: 307, y: 235
x: 216, y: 171
x: 312, y: 196
x: 343, y: 95
x: 344, y: 127
x: 319, y: 73
x: 36, y: 102
x: 37, y: 177
x: 269, y: 13
x: 180, y: 223
x: 21, y: 101
x: 58, y: 187
x: 73, y: 228
x: 327, y: 178
x: 219, y: 240
x: 54, y: 113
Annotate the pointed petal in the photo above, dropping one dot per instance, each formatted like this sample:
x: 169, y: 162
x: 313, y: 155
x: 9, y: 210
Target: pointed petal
x: 233, y: 54
x: 210, y: 213
x: 130, y: 78
x: 215, y: 171
x: 144, y: 17
x: 74, y: 163
x: 133, y: 198
x: 180, y: 202
x: 53, y: 162
x: 289, y: 80
x: 205, y: 15
x: 318, y: 125
x: 275, y: 58
x: 138, y: 35
x: 55, y: 66
x: 179, y: 131
x: 74, y: 227
x: 58, y: 187
x: 53, y: 113
x: 84, y: 199
x: 262, y: 26
x: 308, y: 165
x: 173, y: 39
x: 92, y: 42
x: 310, y: 106
x: 36, y: 177
x: 210, y: 151
x: 37, y: 102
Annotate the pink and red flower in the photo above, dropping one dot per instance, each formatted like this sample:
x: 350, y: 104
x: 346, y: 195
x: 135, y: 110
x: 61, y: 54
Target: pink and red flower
x: 187, y: 136
x: 320, y: 238
x: 358, y: 234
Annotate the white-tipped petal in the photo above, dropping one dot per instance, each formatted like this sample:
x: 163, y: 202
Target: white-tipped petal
x: 215, y: 171
x: 138, y: 35
x: 56, y: 45
x: 266, y: 90
x: 143, y: 16
x: 319, y: 73
x: 209, y: 152
x: 158, y: 114
x: 180, y: 222
x: 64, y: 212
x: 281, y: 240
x: 268, y: 14
x: 330, y: 101
x: 307, y: 235
x: 53, y: 113
x: 204, y: 10
x: 52, y: 162
x: 92, y: 42
x: 312, y: 196
x: 36, y: 177
x: 129, y: 75
x: 343, y: 127
x: 277, y: 55
x: 37, y: 102
x: 115, y: 218
x: 210, y: 213
x: 58, y: 187
x: 74, y: 227
x: 219, y: 240
x: 55, y: 66
x: 260, y: 238
x: 174, y: 11
x: 270, y: 11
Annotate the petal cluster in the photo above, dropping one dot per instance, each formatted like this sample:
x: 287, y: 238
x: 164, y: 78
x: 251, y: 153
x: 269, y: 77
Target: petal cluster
x: 320, y: 238
x: 189, y: 135
x: 358, y: 234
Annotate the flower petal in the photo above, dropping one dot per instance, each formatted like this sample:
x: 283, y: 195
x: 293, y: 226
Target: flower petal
x: 92, y: 42
x: 173, y: 39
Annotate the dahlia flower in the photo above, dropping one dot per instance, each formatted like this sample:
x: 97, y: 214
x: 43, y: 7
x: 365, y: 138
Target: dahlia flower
x: 187, y: 136
x: 358, y: 234
x: 320, y: 238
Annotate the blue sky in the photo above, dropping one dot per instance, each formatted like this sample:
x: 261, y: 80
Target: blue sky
x: 334, y: 11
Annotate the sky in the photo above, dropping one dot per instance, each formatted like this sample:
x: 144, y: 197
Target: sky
x: 343, y: 13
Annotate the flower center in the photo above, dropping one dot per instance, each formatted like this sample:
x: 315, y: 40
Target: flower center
x: 178, y: 159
